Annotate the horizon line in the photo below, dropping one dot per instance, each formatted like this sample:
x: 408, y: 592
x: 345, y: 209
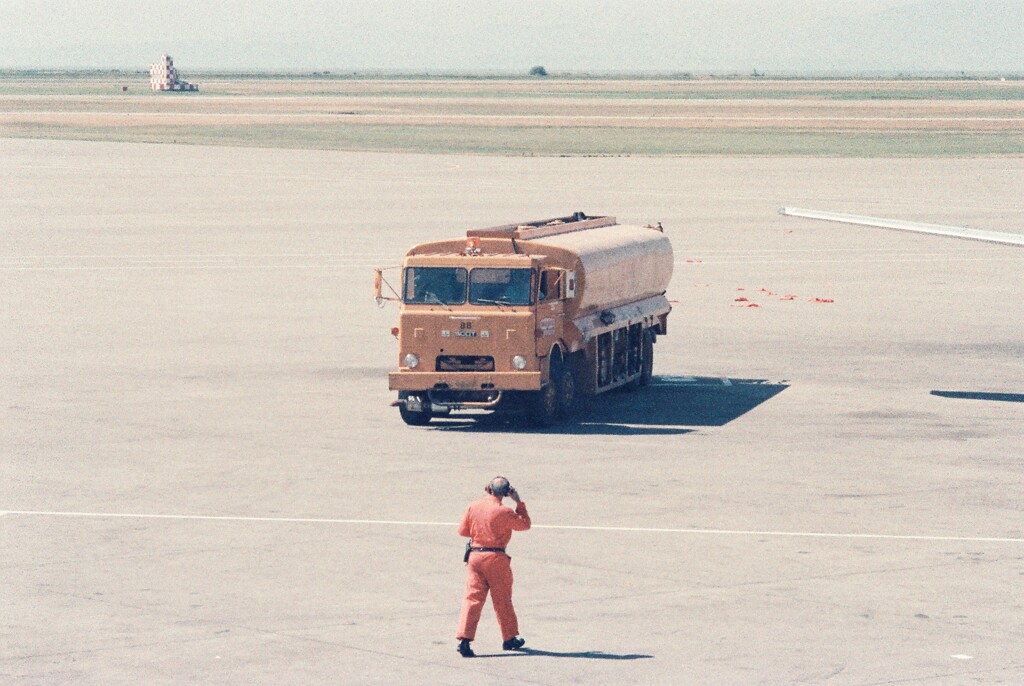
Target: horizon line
x: 677, y: 74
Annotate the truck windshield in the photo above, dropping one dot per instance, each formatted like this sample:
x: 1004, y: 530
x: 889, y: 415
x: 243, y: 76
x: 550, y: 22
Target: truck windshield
x: 489, y: 285
x: 437, y: 285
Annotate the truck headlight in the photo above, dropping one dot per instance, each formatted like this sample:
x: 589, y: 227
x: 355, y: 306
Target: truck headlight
x: 519, y: 362
x: 412, y: 360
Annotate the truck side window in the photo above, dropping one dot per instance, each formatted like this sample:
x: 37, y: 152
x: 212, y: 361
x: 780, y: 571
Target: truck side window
x: 550, y: 285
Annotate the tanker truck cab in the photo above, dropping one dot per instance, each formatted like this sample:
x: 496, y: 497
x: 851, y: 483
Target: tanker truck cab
x: 501, y: 320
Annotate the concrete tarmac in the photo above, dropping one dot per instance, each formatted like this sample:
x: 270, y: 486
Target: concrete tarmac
x: 203, y: 481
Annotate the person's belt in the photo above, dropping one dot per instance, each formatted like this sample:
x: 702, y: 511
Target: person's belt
x: 486, y: 550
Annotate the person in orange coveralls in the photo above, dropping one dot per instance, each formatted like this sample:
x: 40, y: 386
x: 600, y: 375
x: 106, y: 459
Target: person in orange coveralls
x: 489, y: 524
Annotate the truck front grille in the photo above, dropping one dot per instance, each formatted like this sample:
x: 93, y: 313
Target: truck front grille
x: 465, y: 363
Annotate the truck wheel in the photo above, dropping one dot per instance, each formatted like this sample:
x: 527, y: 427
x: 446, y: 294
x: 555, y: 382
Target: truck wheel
x: 568, y: 394
x: 411, y: 417
x: 647, y: 363
x: 544, y: 404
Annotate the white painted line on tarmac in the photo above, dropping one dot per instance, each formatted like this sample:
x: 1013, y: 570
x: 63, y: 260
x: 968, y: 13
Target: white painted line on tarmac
x: 177, y: 267
x: 792, y: 534
x: 370, y: 115
x: 896, y: 259
x: 197, y: 256
x: 679, y: 381
x: 222, y: 518
x: 554, y: 527
x: 675, y: 381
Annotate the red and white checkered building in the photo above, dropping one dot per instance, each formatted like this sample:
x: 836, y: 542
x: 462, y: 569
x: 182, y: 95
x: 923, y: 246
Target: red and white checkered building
x: 163, y: 76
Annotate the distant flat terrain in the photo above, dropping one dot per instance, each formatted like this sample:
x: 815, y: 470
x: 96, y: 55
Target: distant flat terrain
x: 529, y: 117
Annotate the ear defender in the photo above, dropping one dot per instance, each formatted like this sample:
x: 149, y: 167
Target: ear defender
x: 500, y: 492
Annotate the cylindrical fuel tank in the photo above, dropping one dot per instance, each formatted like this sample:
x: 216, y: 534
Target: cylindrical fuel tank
x: 615, y: 264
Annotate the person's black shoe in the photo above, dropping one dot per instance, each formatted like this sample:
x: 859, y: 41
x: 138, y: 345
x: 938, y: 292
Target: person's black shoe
x: 514, y: 643
x: 464, y: 649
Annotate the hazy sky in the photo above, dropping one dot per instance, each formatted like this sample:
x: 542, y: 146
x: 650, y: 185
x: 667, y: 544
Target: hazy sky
x: 511, y: 36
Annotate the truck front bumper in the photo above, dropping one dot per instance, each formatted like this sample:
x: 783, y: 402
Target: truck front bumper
x: 464, y: 381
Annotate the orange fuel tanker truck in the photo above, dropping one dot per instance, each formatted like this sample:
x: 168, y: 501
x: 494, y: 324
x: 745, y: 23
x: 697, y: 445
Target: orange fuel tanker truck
x: 532, y: 318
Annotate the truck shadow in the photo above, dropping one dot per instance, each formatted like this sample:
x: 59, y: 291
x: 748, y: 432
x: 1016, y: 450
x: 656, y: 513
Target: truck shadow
x: 670, y: 405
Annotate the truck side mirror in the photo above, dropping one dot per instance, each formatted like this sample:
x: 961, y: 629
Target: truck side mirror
x: 378, y: 287
x: 570, y: 284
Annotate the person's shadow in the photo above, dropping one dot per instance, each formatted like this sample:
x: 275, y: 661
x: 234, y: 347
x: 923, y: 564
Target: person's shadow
x: 586, y: 654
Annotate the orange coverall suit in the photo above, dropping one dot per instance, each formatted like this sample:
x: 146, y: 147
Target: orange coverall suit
x: 490, y: 525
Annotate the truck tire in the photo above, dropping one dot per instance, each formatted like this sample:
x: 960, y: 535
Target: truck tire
x: 647, y: 363
x: 543, y: 407
x: 568, y: 393
x: 413, y: 418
